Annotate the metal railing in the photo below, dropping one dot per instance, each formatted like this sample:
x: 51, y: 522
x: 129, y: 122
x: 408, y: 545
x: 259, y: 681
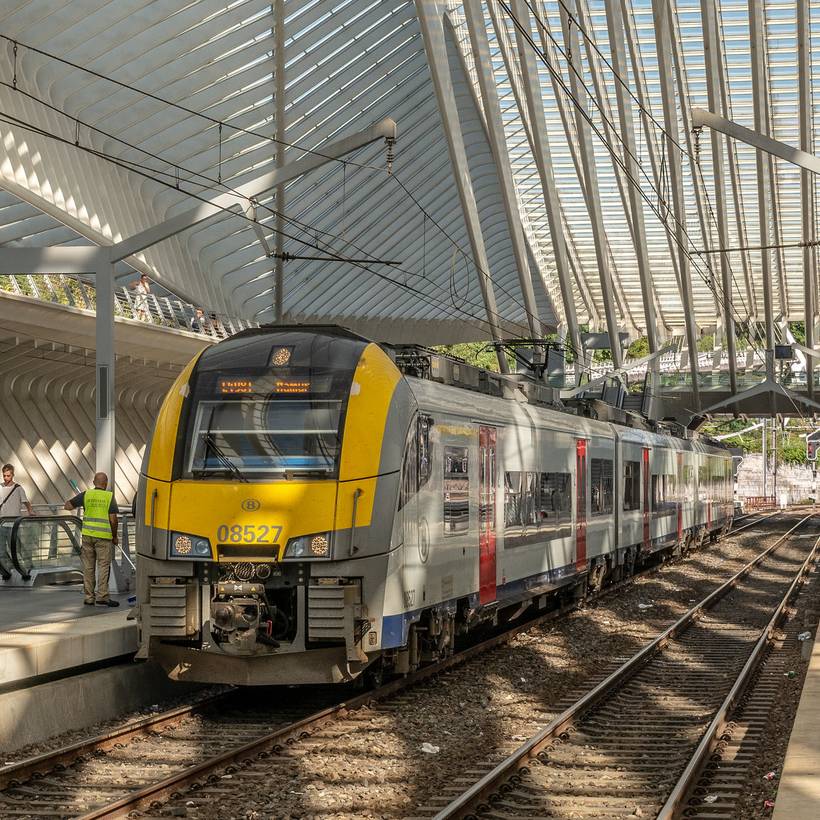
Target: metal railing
x: 163, y: 310
x: 45, y: 548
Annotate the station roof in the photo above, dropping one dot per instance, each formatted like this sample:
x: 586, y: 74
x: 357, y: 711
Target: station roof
x: 116, y: 115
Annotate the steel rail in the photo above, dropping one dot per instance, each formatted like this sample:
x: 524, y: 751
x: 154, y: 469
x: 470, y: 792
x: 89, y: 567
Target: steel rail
x: 67, y: 755
x: 712, y: 737
x: 493, y: 781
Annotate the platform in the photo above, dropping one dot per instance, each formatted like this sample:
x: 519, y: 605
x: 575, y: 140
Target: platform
x: 799, y: 794
x: 49, y: 630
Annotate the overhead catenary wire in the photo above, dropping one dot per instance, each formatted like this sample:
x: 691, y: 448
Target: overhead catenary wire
x: 710, y: 281
x: 219, y: 124
x: 478, y: 321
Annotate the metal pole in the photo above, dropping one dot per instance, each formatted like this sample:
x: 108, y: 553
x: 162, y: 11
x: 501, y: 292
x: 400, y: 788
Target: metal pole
x: 663, y: 36
x: 279, y: 100
x: 714, y: 71
x: 105, y: 415
x: 594, y: 204
x: 430, y: 14
x: 806, y: 180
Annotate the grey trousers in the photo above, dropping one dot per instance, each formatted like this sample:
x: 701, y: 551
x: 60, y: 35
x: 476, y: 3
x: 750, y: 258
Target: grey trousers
x: 96, y: 554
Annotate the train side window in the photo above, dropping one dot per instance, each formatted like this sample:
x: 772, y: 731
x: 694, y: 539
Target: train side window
x: 425, y: 456
x: 554, y: 498
x: 409, y: 472
x: 456, y: 490
x: 602, y: 485
x: 512, y: 499
x: 632, y: 485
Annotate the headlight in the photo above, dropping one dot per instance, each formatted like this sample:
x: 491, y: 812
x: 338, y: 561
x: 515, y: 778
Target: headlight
x: 190, y: 546
x: 309, y: 546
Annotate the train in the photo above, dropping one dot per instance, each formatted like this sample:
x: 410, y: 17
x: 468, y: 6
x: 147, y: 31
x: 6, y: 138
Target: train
x: 314, y: 507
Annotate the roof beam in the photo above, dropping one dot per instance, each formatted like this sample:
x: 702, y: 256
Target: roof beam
x: 492, y: 109
x: 539, y: 143
x: 663, y: 37
x: 386, y: 129
x: 593, y: 199
x: 714, y: 71
x: 806, y: 180
x: 431, y: 19
x: 618, y: 57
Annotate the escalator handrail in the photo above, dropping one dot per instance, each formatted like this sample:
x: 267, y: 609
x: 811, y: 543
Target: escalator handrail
x: 62, y: 520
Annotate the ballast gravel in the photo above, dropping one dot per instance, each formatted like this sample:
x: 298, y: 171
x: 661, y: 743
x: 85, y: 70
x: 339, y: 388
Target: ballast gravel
x: 397, y: 758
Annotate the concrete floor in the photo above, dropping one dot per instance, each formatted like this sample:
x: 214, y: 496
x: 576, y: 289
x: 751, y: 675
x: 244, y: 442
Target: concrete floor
x: 798, y: 797
x: 21, y: 607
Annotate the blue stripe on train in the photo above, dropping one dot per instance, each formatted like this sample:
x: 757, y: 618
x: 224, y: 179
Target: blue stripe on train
x: 396, y: 627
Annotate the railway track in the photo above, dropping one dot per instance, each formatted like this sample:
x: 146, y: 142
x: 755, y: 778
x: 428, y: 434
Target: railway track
x: 637, y: 743
x: 146, y: 762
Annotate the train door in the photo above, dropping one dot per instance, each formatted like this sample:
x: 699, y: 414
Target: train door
x: 646, y: 497
x: 486, y: 514
x: 581, y: 504
x: 679, y: 495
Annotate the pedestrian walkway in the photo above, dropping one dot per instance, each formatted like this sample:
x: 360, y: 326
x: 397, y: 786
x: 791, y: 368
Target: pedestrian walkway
x: 48, y: 630
x: 798, y: 797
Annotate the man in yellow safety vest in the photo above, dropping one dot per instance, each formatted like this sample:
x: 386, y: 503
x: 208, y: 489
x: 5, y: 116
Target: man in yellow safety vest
x: 99, y: 537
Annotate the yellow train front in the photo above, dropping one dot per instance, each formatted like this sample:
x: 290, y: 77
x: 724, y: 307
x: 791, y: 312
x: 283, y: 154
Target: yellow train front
x: 258, y: 525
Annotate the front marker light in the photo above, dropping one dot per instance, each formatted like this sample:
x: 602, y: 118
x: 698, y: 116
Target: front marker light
x: 184, y: 545
x: 309, y: 546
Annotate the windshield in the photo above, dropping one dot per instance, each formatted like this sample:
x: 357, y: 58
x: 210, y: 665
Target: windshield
x: 250, y: 424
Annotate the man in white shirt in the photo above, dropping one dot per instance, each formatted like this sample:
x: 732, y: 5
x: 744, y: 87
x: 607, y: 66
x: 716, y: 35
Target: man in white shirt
x: 13, y: 502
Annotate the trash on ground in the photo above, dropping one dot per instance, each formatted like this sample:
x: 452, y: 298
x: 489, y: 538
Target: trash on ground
x: 710, y: 798
x: 791, y: 674
x: 770, y: 775
x: 768, y: 804
x: 429, y: 748
x: 804, y: 636
x: 644, y: 606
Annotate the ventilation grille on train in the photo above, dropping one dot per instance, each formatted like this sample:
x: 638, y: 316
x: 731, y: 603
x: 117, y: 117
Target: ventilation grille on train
x: 171, y: 611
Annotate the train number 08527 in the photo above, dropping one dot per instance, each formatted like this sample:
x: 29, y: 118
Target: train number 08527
x: 248, y: 533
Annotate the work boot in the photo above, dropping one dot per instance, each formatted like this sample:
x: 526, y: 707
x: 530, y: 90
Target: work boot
x: 109, y: 602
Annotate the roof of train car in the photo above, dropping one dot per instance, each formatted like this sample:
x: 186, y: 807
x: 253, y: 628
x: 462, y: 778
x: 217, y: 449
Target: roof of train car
x: 468, y: 403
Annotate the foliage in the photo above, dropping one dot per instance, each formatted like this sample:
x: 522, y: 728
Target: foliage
x: 706, y: 343
x: 479, y: 354
x: 791, y: 446
x: 638, y: 348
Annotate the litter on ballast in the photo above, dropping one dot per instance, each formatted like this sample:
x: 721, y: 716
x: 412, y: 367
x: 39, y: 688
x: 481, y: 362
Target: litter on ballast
x: 710, y: 798
x: 768, y: 804
x: 644, y: 606
x: 429, y: 748
x: 804, y: 636
x: 770, y: 775
x: 791, y: 674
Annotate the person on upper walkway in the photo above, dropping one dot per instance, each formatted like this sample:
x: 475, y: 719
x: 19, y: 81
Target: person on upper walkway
x: 99, y: 538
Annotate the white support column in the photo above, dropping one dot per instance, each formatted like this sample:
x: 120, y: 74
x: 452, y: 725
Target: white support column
x: 760, y: 96
x: 539, y: 145
x: 593, y: 201
x: 714, y: 71
x: 430, y: 17
x: 627, y: 125
x: 670, y: 116
x: 806, y: 179
x: 105, y: 395
x: 77, y: 260
x: 489, y: 91
x: 279, y: 124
